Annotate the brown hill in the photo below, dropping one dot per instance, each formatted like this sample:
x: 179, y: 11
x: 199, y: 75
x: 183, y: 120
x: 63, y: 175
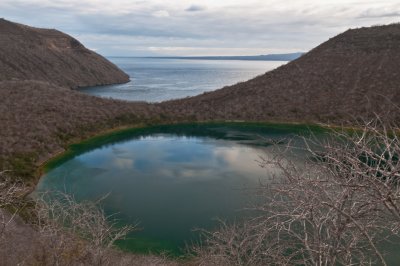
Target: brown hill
x: 28, y: 53
x: 351, y: 75
x: 38, y: 119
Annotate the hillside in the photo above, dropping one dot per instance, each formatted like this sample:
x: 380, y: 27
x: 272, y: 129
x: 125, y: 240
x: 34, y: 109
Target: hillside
x: 38, y: 119
x: 28, y: 53
x: 354, y: 74
x: 350, y: 76
x: 39, y: 116
x: 39, y: 113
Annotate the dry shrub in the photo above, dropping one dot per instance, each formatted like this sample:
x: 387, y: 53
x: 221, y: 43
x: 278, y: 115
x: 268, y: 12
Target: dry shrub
x: 60, y: 231
x: 80, y: 233
x: 76, y: 232
x: 337, y: 208
x: 11, y: 193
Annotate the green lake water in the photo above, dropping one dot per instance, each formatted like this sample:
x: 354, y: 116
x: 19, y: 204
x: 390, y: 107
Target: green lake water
x: 170, y: 179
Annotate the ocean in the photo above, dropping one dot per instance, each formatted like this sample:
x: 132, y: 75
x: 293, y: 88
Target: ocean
x: 156, y: 80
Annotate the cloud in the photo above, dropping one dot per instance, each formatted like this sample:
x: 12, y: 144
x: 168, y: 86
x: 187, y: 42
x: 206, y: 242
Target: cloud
x: 195, y: 8
x: 377, y: 13
x: 243, y: 27
x: 161, y: 14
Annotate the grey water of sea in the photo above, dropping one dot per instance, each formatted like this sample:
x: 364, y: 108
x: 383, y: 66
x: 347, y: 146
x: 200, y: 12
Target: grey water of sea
x: 158, y: 79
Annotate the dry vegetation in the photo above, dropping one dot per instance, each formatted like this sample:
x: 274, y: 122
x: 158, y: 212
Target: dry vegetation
x: 354, y: 74
x: 60, y: 231
x: 339, y: 208
x: 28, y: 53
x: 335, y: 210
x: 39, y: 119
x: 327, y: 84
x: 39, y: 113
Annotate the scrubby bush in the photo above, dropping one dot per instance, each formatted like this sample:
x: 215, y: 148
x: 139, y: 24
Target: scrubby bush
x: 60, y: 231
x: 340, y: 207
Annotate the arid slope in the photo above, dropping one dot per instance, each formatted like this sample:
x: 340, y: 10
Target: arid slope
x: 355, y: 74
x: 350, y: 76
x: 28, y: 53
x: 39, y: 118
x: 39, y: 113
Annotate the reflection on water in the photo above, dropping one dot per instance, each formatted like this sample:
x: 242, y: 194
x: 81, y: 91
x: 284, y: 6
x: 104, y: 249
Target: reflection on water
x: 169, y: 183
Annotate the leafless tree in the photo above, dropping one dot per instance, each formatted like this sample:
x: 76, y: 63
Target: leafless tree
x: 336, y: 208
x: 11, y: 192
x: 60, y: 231
x: 80, y: 228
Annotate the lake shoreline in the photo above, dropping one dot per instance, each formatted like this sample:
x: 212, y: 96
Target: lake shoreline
x: 235, y: 133
x: 43, y: 166
x: 128, y: 133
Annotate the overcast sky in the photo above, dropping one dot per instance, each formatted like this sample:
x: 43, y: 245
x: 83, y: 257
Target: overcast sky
x: 206, y: 27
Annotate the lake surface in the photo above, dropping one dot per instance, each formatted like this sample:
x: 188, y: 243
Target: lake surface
x: 169, y: 179
x: 154, y: 79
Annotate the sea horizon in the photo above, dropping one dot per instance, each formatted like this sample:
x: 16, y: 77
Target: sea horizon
x: 156, y: 79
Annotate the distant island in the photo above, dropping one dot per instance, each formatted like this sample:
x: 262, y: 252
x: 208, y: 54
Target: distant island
x: 268, y: 57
